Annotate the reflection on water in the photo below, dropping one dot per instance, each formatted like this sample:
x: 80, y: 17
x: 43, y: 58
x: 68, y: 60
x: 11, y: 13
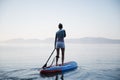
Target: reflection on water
x: 59, y: 78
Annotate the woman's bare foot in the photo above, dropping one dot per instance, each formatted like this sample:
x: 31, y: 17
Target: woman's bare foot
x: 57, y: 65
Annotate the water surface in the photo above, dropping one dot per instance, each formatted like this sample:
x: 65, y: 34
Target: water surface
x: 95, y: 61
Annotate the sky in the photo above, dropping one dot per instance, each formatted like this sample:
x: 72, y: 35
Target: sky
x: 39, y: 19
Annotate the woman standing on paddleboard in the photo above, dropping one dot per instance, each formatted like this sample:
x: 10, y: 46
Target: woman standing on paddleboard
x: 59, y: 42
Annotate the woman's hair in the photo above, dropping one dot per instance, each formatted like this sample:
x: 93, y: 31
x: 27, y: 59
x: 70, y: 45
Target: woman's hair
x: 60, y: 26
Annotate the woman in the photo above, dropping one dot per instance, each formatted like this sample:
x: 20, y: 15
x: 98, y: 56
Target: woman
x: 59, y: 42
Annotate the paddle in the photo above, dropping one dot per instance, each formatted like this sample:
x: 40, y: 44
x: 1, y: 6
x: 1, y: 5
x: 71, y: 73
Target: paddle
x: 45, y: 65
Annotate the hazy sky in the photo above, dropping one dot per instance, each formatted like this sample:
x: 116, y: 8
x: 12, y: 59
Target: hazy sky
x: 39, y: 18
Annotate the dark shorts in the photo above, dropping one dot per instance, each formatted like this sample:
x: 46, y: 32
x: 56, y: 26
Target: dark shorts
x: 60, y: 44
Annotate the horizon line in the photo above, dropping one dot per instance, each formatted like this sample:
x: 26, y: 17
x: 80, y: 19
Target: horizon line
x: 52, y: 38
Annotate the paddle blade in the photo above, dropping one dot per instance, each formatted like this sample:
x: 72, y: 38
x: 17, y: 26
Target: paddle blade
x: 44, y: 66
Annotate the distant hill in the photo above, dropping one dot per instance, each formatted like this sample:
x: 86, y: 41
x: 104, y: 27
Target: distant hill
x: 94, y: 40
x: 20, y: 40
x: 85, y: 40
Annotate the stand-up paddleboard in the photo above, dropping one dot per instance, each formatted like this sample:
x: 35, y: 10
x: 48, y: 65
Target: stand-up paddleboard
x: 60, y: 68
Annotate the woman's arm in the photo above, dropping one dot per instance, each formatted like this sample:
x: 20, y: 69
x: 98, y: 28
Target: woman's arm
x: 55, y: 41
x: 64, y: 33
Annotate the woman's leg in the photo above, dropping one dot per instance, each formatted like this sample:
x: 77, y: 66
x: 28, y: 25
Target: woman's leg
x: 57, y: 56
x: 63, y: 51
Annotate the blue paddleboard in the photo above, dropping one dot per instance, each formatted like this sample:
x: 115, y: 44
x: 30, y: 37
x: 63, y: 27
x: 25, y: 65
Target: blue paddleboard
x: 60, y: 68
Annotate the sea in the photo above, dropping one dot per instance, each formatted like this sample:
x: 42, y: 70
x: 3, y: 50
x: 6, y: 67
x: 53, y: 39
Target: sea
x: 24, y: 61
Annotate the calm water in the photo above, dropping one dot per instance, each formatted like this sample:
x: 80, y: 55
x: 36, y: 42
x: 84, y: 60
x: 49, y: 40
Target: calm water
x: 95, y: 61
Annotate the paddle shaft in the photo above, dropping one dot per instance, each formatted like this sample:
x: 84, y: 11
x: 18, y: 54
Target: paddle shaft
x: 49, y: 58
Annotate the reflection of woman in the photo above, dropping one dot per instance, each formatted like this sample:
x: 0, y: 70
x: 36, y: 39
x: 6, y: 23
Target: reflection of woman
x: 56, y: 78
x: 62, y: 77
x: 59, y: 42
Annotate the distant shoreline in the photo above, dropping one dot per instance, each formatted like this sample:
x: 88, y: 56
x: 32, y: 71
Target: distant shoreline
x: 85, y: 40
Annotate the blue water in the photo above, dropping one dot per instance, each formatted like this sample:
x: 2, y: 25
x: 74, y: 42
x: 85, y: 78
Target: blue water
x: 95, y: 61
